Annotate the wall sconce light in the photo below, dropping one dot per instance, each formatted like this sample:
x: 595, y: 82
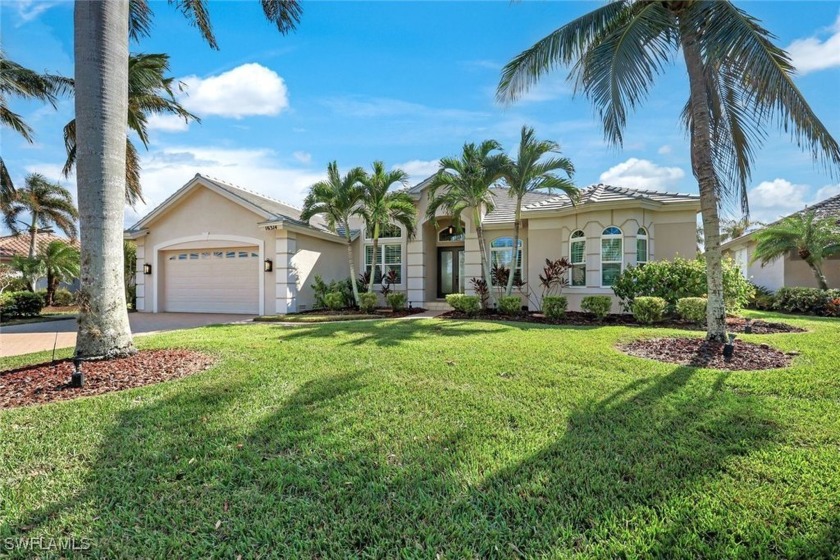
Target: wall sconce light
x: 450, y: 230
x: 268, y: 265
x: 147, y: 268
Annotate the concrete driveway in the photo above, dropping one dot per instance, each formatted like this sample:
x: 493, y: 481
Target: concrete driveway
x: 37, y: 337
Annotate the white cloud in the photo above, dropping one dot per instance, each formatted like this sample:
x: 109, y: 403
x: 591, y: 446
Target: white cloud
x: 28, y: 10
x: 642, y: 174
x: 812, y: 53
x: 250, y: 89
x: 664, y: 150
x: 303, y: 157
x: 827, y: 192
x: 418, y: 169
x: 167, y: 123
x: 771, y: 200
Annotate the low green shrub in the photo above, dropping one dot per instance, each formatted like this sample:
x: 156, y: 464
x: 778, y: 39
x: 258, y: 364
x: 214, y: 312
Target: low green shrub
x: 510, y: 305
x: 554, y: 307
x: 649, y: 309
x: 597, y: 305
x: 762, y: 299
x: 63, y: 297
x: 396, y: 301
x: 809, y: 301
x: 21, y: 304
x: 367, y: 302
x: 692, y: 309
x: 334, y: 301
x: 464, y: 303
x: 321, y: 289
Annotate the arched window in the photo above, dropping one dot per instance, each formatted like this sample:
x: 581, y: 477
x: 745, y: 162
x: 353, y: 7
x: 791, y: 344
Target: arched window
x: 450, y: 233
x: 641, y: 246
x: 577, y: 257
x: 501, y: 253
x: 612, y: 256
x: 391, y: 231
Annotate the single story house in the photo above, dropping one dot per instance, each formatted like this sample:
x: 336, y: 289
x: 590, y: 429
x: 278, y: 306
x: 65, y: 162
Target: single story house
x: 18, y: 245
x: 216, y: 247
x: 790, y: 271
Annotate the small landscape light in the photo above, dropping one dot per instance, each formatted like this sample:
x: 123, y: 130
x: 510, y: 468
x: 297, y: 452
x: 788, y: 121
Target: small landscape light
x: 748, y: 327
x: 729, y: 348
x: 77, y: 380
x: 409, y: 305
x: 147, y: 268
x: 268, y: 266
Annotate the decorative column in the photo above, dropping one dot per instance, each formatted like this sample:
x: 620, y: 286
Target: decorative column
x: 285, y: 274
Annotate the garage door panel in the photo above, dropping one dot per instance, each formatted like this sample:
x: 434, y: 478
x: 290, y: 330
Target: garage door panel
x: 222, y: 280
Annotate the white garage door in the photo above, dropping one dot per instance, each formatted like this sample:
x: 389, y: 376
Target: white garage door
x: 221, y: 280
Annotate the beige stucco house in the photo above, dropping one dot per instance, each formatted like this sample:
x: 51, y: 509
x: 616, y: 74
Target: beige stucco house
x: 216, y: 247
x: 790, y: 271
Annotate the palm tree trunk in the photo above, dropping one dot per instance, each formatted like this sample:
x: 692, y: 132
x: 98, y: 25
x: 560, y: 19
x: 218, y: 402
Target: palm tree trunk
x: 373, y: 259
x: 818, y: 272
x: 516, y: 225
x: 703, y: 168
x: 101, y: 62
x: 33, y: 232
x: 350, y: 262
x: 485, y: 268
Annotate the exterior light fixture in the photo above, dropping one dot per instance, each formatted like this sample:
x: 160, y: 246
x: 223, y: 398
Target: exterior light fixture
x: 147, y: 268
x: 450, y: 231
x: 747, y: 327
x: 77, y: 379
x: 268, y: 266
x: 729, y: 348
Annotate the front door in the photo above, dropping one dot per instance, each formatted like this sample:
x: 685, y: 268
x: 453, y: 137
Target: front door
x: 450, y: 271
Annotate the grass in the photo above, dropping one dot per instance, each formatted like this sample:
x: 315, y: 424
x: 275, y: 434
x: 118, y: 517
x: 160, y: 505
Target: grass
x: 314, y: 317
x: 45, y: 317
x: 430, y: 438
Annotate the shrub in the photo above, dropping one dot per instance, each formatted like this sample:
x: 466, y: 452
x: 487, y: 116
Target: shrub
x: 322, y: 288
x: 692, y: 309
x: 648, y: 309
x: 680, y: 278
x: 396, y: 301
x: 21, y: 304
x: 464, y: 303
x: 554, y: 307
x: 810, y: 301
x: 762, y: 298
x: 832, y: 308
x: 597, y: 305
x: 334, y: 301
x: 63, y: 297
x: 367, y: 302
x: 510, y: 305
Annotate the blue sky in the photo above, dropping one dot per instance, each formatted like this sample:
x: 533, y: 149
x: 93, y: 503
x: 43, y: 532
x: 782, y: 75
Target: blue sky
x: 406, y: 83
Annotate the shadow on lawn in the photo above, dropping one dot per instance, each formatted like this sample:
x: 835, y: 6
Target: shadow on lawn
x: 314, y: 478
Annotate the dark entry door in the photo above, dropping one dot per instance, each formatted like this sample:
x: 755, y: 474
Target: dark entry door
x: 450, y: 270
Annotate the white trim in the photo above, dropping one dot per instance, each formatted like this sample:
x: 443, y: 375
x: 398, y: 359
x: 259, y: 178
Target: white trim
x: 572, y: 241
x: 646, y: 238
x: 155, y: 276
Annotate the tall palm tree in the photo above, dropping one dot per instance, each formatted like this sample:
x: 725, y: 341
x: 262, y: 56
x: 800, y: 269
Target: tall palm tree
x: 732, y: 229
x: 101, y: 34
x: 739, y: 83
x: 22, y: 82
x: 463, y: 185
x: 46, y: 204
x: 530, y: 172
x: 337, y: 198
x: 812, y: 238
x: 61, y: 263
x: 150, y: 92
x: 381, y: 207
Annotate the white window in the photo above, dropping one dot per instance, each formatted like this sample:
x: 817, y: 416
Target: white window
x: 612, y: 256
x: 577, y: 258
x: 501, y: 254
x: 391, y: 231
x: 641, y: 246
x: 388, y: 259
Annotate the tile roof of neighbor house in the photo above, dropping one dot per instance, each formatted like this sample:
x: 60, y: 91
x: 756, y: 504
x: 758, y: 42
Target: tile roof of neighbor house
x: 11, y: 245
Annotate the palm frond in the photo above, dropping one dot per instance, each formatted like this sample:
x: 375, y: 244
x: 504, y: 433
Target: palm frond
x: 285, y: 14
x: 197, y: 14
x: 139, y: 19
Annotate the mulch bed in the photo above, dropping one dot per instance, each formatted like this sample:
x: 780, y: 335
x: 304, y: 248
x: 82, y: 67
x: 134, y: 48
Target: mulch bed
x: 579, y: 319
x: 699, y: 352
x: 49, y: 382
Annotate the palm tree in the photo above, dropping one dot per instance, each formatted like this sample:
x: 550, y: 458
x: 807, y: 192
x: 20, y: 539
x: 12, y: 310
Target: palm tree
x: 31, y: 269
x: 732, y: 229
x: 46, y: 204
x: 22, y: 82
x: 812, y: 238
x: 463, y: 184
x: 381, y: 207
x: 530, y: 173
x: 101, y: 34
x: 739, y: 83
x: 149, y: 92
x: 337, y: 198
x: 60, y: 263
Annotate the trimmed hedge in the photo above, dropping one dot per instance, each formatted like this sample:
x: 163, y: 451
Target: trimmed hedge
x: 396, y: 301
x: 464, y: 303
x: 21, y: 304
x: 554, y: 307
x: 367, y: 302
x: 334, y: 301
x: 809, y: 301
x: 648, y: 309
x: 510, y: 305
x: 597, y: 305
x: 63, y: 297
x: 692, y: 309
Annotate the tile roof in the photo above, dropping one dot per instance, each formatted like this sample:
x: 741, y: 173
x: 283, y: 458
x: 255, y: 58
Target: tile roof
x: 505, y: 210
x: 608, y: 193
x: 11, y: 245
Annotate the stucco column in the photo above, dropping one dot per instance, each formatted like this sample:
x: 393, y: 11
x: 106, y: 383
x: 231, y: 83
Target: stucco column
x: 140, y: 278
x: 415, y: 269
x: 285, y: 274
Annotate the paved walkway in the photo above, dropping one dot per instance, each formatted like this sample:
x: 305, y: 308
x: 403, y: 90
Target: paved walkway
x: 37, y: 337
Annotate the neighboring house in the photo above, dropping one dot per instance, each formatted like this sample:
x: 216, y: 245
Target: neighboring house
x: 791, y: 270
x: 215, y: 247
x: 12, y: 245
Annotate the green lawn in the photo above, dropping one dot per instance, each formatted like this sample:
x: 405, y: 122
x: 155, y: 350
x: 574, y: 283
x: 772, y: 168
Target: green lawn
x: 428, y: 437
